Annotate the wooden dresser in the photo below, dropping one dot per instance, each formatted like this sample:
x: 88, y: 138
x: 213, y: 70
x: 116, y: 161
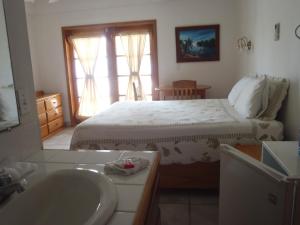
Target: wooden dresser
x: 50, y: 114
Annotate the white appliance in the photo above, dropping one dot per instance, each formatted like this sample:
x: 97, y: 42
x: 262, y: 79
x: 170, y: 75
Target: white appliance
x: 262, y: 192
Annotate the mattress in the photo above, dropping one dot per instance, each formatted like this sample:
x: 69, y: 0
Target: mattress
x: 184, y: 131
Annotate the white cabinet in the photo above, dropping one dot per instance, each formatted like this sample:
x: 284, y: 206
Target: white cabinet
x: 260, y: 192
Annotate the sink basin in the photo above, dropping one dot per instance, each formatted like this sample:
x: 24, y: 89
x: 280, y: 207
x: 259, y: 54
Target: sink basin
x: 65, y: 197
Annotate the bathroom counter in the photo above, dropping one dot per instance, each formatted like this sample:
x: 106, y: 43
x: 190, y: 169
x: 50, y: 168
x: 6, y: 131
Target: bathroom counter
x: 136, y: 193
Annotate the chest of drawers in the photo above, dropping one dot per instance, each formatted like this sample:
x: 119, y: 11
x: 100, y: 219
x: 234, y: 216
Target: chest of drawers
x: 50, y: 114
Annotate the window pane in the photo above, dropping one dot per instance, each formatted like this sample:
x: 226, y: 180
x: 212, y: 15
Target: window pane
x: 145, y: 65
x: 75, y: 54
x: 122, y: 66
x: 102, y: 48
x: 104, y: 102
x: 80, y: 85
x: 147, y: 45
x: 147, y: 84
x: 101, y: 69
x: 123, y: 85
x: 119, y: 46
x: 122, y: 98
x: 148, y: 97
x: 79, y: 73
x: 103, y: 88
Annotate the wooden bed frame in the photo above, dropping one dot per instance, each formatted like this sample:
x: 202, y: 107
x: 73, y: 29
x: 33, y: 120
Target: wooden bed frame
x: 200, y: 175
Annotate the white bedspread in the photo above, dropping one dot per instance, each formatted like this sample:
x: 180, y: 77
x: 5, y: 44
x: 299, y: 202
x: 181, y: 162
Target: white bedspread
x: 172, y: 127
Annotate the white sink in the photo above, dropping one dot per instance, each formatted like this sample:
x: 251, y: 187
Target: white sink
x: 65, y: 197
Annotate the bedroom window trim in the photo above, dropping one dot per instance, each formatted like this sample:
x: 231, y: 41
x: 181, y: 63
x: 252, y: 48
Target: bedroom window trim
x: 110, y: 30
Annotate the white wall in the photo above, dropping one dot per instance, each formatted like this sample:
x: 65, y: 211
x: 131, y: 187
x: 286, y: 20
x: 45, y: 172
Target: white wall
x: 278, y: 58
x: 46, y: 21
x: 24, y: 139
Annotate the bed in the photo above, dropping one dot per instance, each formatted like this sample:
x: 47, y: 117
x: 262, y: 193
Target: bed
x: 187, y: 134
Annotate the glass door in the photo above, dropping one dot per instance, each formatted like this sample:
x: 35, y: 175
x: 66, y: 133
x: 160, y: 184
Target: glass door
x: 100, y: 74
x: 123, y: 69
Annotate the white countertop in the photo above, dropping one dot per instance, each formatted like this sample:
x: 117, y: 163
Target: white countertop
x: 129, y: 188
x: 286, y: 154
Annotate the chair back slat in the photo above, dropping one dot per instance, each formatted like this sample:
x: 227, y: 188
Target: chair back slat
x: 185, y: 84
x: 185, y: 93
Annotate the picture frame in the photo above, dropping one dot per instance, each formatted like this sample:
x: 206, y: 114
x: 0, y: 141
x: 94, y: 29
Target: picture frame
x: 198, y: 43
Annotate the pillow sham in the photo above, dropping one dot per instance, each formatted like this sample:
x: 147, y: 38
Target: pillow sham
x: 277, y: 88
x: 237, y: 90
x: 252, y: 99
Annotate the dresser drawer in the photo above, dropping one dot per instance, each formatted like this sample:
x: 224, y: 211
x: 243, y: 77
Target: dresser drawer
x: 56, y: 124
x: 40, y: 106
x: 53, y: 102
x: 54, y: 114
x: 44, y: 131
x: 42, y: 119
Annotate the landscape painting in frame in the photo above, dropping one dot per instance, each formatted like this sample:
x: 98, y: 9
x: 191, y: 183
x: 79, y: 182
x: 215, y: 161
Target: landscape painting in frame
x: 198, y: 43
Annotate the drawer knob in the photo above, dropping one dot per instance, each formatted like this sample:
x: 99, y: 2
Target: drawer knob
x: 272, y: 199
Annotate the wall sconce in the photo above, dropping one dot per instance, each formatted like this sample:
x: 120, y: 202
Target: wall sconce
x: 297, y: 31
x: 244, y: 43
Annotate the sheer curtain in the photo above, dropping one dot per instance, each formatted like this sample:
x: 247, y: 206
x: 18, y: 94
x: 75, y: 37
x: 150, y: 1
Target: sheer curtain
x: 134, y: 45
x: 87, y: 49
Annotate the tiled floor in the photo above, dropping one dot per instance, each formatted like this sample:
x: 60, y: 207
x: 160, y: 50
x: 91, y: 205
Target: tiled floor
x: 186, y: 207
x: 60, y: 140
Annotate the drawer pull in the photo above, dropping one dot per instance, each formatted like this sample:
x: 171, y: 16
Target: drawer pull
x: 272, y: 199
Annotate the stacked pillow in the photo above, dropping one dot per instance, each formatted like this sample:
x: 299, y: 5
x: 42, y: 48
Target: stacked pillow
x: 258, y: 96
x: 277, y: 91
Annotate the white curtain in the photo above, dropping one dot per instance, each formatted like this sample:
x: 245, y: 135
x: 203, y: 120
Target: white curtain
x: 87, y: 49
x: 134, y: 45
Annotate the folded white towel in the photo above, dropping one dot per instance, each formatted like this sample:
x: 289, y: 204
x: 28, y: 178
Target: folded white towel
x: 20, y: 170
x: 126, y: 166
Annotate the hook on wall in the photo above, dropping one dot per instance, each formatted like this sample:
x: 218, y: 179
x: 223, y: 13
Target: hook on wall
x: 244, y: 43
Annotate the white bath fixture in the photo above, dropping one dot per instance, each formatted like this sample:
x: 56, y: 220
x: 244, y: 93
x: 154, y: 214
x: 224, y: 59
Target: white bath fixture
x: 77, y: 197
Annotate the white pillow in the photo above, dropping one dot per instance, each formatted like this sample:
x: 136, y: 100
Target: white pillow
x: 237, y: 90
x: 278, y: 88
x: 250, y: 101
x: 265, y: 96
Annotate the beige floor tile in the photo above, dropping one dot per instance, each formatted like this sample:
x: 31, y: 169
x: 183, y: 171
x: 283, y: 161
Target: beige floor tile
x: 61, y: 140
x: 174, y: 214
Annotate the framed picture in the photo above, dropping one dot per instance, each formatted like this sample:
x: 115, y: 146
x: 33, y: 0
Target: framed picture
x: 198, y: 43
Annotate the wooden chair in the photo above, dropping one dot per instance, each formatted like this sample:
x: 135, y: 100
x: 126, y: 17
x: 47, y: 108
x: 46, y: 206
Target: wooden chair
x: 185, y: 89
x: 185, y: 84
x: 135, y: 92
x: 137, y: 96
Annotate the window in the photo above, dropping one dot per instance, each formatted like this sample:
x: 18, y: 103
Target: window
x: 100, y: 75
x: 123, y: 69
x: 111, y: 70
